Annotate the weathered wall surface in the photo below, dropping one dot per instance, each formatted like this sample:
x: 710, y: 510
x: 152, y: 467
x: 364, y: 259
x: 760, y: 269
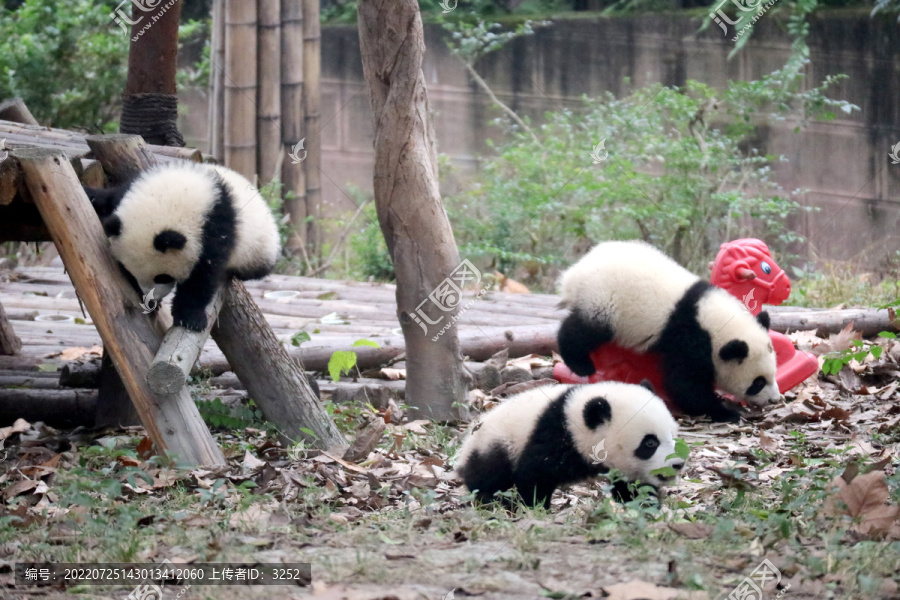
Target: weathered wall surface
x: 843, y: 163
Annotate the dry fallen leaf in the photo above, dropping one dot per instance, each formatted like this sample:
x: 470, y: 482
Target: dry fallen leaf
x: 694, y: 531
x: 639, y: 590
x: 19, y: 426
x: 864, y: 498
x: 145, y: 448
x: 767, y: 442
x: 251, y: 463
x: 392, y: 374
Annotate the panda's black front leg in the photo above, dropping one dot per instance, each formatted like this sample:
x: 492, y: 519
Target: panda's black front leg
x: 578, y: 336
x: 194, y: 294
x: 692, y: 388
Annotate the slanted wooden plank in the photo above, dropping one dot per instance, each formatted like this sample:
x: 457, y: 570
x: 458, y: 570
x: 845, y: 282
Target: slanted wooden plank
x: 273, y: 379
x: 172, y: 422
x: 9, y: 343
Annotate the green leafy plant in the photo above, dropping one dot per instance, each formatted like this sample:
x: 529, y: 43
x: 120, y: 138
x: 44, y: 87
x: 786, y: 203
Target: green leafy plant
x: 681, y: 451
x: 299, y: 337
x: 216, y: 414
x: 835, y: 361
x: 68, y: 62
x: 342, y: 361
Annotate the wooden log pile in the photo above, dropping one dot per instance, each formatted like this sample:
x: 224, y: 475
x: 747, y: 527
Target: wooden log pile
x: 19, y: 218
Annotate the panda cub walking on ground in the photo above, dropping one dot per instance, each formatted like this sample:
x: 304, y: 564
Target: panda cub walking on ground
x: 632, y: 294
x: 190, y: 225
x: 561, y: 434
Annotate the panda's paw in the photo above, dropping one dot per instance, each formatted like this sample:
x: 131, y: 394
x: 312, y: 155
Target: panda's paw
x: 192, y: 321
x: 724, y: 414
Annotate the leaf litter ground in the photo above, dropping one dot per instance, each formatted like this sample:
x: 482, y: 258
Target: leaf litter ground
x: 809, y: 485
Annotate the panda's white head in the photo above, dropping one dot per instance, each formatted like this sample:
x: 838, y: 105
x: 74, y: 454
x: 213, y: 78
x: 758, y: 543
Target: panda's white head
x: 743, y: 356
x: 156, y: 230
x: 626, y: 427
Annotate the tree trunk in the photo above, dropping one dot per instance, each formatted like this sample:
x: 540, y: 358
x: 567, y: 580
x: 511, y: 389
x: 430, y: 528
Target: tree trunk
x: 150, y: 103
x: 410, y: 211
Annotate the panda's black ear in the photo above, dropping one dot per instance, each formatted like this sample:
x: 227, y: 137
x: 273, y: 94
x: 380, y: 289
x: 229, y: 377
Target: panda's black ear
x: 112, y: 226
x: 105, y: 200
x: 735, y: 350
x: 169, y: 239
x: 596, y: 412
x: 647, y: 385
x: 763, y: 319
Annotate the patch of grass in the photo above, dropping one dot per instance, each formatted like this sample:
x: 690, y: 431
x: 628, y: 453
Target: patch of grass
x: 842, y: 284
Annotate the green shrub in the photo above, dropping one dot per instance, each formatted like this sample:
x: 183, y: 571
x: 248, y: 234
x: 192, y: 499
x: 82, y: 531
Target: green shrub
x: 67, y: 60
x: 681, y: 173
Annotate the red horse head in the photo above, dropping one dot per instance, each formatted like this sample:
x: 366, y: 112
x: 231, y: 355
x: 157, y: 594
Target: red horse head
x: 746, y: 269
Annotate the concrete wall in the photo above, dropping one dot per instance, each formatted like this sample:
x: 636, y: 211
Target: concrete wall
x: 843, y: 163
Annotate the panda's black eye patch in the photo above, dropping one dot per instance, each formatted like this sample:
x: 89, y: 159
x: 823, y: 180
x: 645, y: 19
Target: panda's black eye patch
x: 163, y: 278
x: 596, y: 412
x: 169, y: 239
x: 758, y: 384
x: 648, y: 447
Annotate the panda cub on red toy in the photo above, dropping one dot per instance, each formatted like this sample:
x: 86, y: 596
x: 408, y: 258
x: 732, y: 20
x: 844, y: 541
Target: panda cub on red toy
x: 633, y: 295
x: 556, y: 435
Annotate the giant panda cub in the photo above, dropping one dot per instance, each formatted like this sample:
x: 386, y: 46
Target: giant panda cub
x: 188, y: 225
x: 632, y: 294
x: 556, y: 435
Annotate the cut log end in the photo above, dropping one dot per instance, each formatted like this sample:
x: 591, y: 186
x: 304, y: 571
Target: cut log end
x: 165, y: 378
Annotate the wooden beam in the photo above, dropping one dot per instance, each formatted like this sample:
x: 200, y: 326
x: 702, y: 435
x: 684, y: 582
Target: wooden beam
x: 276, y: 382
x: 123, y: 156
x: 9, y: 342
x: 15, y: 110
x: 172, y: 422
x: 58, y: 408
x: 179, y: 351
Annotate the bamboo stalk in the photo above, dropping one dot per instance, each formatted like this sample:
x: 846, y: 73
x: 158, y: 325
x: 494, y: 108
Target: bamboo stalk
x: 216, y: 82
x: 240, y: 86
x: 292, y: 120
x: 312, y: 75
x: 268, y: 118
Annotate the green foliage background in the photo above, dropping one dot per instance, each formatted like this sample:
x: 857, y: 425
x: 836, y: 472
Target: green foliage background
x: 681, y: 173
x: 67, y: 61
